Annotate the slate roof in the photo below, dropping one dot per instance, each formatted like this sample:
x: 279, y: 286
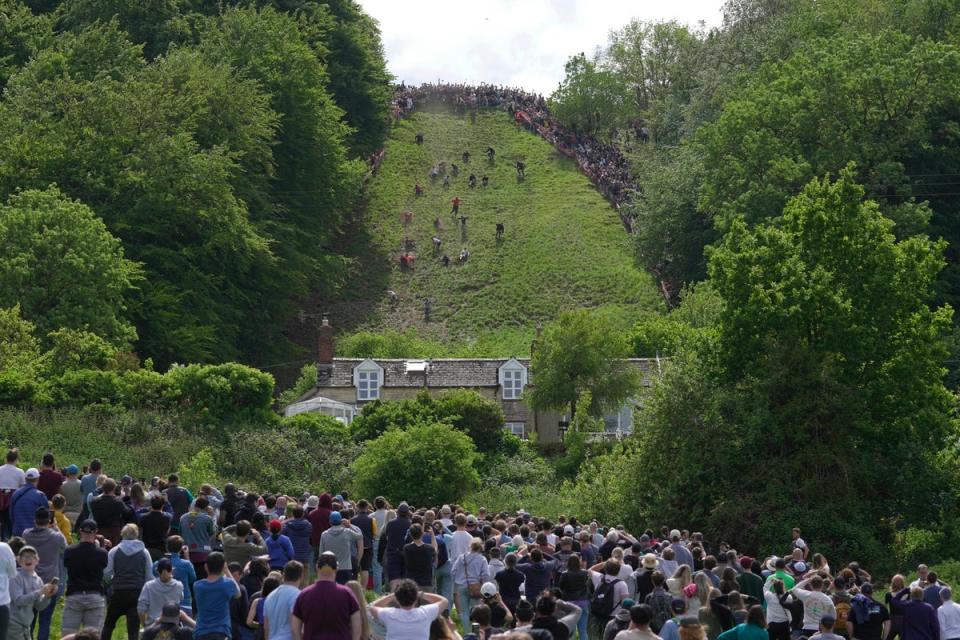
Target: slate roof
x: 443, y: 373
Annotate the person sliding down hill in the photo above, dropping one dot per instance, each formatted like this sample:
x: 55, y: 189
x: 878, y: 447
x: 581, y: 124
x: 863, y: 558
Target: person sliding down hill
x: 490, y: 153
x: 464, y: 254
x: 521, y: 167
x: 456, y: 206
x: 419, y: 138
x: 417, y: 190
x: 454, y: 170
x: 445, y: 260
x: 499, y: 230
x: 472, y: 181
x: 466, y: 157
x: 485, y: 181
x: 446, y: 182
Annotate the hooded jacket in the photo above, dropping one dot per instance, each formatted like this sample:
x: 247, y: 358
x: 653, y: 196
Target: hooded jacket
x: 342, y: 541
x: 128, y: 566
x: 320, y: 518
x: 299, y: 530
x: 157, y: 593
x: 237, y: 549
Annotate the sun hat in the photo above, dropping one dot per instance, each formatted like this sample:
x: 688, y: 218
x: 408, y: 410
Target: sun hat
x: 649, y: 561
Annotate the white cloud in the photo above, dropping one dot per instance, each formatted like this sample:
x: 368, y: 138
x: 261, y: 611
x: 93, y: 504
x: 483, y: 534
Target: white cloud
x: 513, y: 42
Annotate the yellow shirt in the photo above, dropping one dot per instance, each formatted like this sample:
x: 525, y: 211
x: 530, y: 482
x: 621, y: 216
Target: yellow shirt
x: 63, y: 524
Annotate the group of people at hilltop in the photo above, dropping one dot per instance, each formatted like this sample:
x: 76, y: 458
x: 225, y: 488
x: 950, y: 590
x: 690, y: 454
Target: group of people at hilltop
x: 234, y: 565
x: 603, y: 163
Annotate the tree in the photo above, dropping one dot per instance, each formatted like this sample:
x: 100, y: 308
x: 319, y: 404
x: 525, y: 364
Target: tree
x: 19, y: 348
x: 582, y: 351
x: 590, y: 98
x: 829, y: 365
x: 426, y: 464
x: 62, y: 266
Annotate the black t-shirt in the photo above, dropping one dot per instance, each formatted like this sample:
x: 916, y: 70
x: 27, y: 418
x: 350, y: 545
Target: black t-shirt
x: 554, y: 626
x: 418, y: 563
x: 155, y: 526
x: 574, y: 585
x: 509, y: 581
x: 110, y: 512
x: 498, y: 613
x: 85, y: 562
x: 872, y: 629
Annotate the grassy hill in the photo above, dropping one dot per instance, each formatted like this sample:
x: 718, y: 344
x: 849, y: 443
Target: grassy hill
x: 564, y: 247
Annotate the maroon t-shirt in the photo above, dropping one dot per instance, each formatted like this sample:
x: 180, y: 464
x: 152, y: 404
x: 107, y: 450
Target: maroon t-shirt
x: 325, y: 608
x: 50, y: 482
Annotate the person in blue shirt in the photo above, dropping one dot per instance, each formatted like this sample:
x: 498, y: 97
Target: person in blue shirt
x: 279, y: 604
x: 213, y: 595
x: 279, y: 546
x: 25, y: 501
x: 182, y: 570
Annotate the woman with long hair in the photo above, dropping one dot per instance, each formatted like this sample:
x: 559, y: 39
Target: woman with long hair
x: 897, y: 584
x: 778, y: 616
x: 574, y: 587
x: 754, y: 626
x: 443, y: 628
x: 707, y: 616
x: 365, y: 630
x: 255, y: 613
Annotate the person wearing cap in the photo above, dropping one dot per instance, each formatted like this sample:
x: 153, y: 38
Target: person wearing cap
x: 816, y: 604
x: 870, y: 620
x: 326, y: 609
x: 643, y: 576
x: 168, y: 626
x: 25, y: 501
x: 755, y: 628
x: 500, y: 615
x: 213, y: 596
x: 158, y: 593
x: 402, y: 614
x: 50, y: 545
x: 129, y: 567
x: 73, y: 493
x: 779, y: 568
x: 84, y: 605
x: 671, y: 628
x: 343, y: 541
x: 279, y: 547
x: 620, y: 620
x: 28, y: 595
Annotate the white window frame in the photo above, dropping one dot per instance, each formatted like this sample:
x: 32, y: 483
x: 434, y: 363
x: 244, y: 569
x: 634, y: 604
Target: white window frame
x: 368, y: 379
x: 513, y: 379
x: 511, y: 427
x: 624, y: 420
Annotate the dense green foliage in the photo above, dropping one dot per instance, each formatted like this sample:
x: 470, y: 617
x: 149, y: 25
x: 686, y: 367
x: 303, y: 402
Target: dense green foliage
x: 219, y: 144
x: 582, y: 352
x: 464, y: 410
x: 425, y: 464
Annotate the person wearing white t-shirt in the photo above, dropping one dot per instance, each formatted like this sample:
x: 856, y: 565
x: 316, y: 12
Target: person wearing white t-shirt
x: 12, y: 478
x: 816, y: 604
x: 799, y: 543
x: 406, y: 620
x: 948, y: 615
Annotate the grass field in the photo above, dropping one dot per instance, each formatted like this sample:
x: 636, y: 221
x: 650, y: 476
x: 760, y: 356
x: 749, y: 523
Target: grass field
x: 563, y: 248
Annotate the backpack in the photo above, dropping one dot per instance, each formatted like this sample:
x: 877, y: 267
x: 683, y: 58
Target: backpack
x: 843, y: 614
x: 660, y: 603
x: 604, y: 598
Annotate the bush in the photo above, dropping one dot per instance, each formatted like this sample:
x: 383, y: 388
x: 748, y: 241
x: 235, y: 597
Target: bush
x: 86, y: 387
x: 16, y: 388
x: 225, y: 392
x: 426, y: 464
x: 305, y: 382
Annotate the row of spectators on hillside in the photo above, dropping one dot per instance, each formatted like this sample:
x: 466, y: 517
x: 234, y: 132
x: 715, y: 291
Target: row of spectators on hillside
x: 235, y: 565
x: 603, y: 163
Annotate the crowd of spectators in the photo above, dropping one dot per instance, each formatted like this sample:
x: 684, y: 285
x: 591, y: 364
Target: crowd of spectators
x: 235, y: 565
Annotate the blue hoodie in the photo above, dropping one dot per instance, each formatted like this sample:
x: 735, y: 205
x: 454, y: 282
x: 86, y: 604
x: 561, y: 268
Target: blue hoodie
x: 299, y: 530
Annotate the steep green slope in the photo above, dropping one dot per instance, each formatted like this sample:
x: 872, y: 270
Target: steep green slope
x: 563, y: 247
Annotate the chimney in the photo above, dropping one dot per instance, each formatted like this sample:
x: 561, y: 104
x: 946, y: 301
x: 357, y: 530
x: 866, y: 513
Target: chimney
x: 325, y: 345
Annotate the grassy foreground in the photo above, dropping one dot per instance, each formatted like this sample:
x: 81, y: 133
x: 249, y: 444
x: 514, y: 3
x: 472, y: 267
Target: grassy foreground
x: 563, y: 247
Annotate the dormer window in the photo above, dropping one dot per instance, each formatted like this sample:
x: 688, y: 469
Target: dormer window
x: 513, y: 378
x: 368, y: 378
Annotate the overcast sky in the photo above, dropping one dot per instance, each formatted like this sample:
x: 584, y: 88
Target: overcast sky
x: 513, y: 42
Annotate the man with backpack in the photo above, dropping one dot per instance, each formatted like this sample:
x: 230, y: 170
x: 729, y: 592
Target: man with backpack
x: 659, y: 600
x: 609, y: 592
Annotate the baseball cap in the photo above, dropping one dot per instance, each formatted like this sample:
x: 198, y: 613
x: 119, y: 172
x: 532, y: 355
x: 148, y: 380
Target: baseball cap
x: 27, y: 549
x: 471, y: 519
x: 674, y: 533
x: 403, y: 508
x: 126, y: 480
x: 568, y: 530
x: 72, y: 470
x: 164, y: 564
x: 275, y: 524
x: 799, y: 567
x: 488, y: 589
x: 313, y: 501
x: 627, y: 603
x: 327, y: 560
x: 678, y: 605
x: 170, y: 613
x: 336, y: 518
x: 32, y: 473
x: 88, y: 526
